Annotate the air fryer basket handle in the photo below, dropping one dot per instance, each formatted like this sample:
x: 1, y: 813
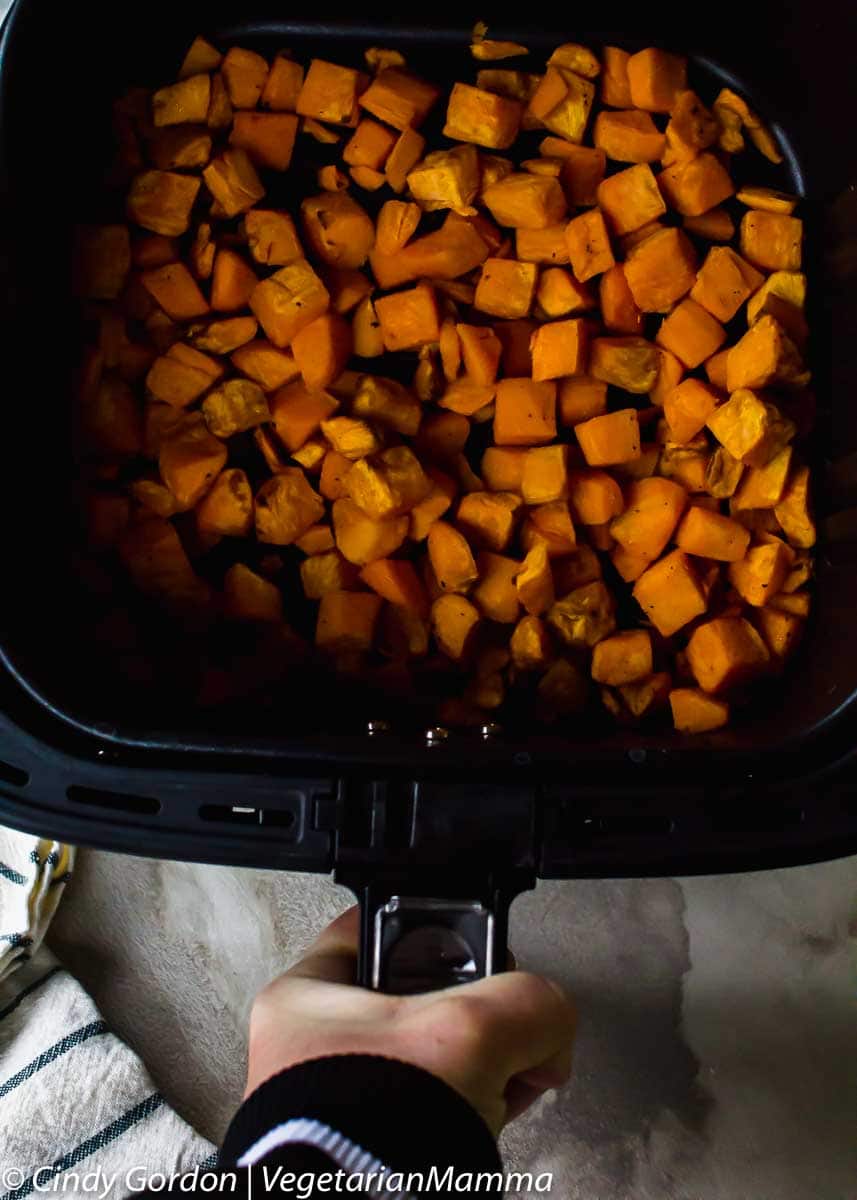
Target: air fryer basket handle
x: 417, y: 943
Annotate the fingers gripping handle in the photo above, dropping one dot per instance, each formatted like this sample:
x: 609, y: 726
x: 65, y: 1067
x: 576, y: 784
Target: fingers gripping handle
x: 411, y: 944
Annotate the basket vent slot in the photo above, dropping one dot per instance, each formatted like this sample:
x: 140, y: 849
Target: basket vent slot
x: 226, y: 814
x: 118, y: 801
x: 13, y: 775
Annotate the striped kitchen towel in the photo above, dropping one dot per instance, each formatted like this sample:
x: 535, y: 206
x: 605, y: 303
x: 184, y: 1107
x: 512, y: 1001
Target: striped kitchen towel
x: 77, y: 1106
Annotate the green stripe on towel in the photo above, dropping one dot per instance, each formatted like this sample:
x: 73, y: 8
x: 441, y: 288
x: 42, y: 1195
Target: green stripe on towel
x: 28, y: 990
x: 53, y: 1052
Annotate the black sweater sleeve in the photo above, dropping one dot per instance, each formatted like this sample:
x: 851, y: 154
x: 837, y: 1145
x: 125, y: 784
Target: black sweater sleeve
x: 358, y: 1113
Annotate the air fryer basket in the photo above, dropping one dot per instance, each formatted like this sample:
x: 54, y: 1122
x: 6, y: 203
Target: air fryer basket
x: 301, y: 782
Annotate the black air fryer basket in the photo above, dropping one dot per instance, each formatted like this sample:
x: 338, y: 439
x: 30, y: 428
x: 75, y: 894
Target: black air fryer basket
x: 453, y: 825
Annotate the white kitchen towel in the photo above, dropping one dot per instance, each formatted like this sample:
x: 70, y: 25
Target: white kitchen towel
x: 79, y: 1113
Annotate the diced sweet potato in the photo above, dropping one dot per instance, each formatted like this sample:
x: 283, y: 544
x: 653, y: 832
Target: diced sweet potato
x: 534, y: 582
x: 362, y: 539
x: 190, y: 459
x: 286, y: 506
x: 283, y: 85
x: 288, y: 300
x: 630, y: 199
x: 771, y: 241
x: 764, y: 357
x: 691, y: 128
x: 725, y: 653
x: 495, y: 594
x: 403, y: 157
x: 584, y: 616
x: 750, y: 429
x: 793, y: 511
x: 399, y: 98
x: 559, y: 348
x: 346, y: 622
x: 525, y: 413
x: 716, y: 225
x: 631, y: 363
x: 691, y: 333
x: 245, y: 74
x: 623, y: 658
x: 615, y: 85
x: 182, y: 375
x: 594, y: 497
x: 327, y: 572
x: 545, y: 474
x: 763, y: 487
x: 338, y: 229
x: 396, y: 581
x: 272, y: 237
x: 201, y: 56
x: 322, y: 349
x: 559, y: 294
x: 506, y: 288
x: 582, y: 171
x: 588, y: 244
x: 688, y: 407
x: 760, y: 574
x: 227, y: 509
x: 161, y: 201
x: 329, y: 93
x: 450, y: 251
x: 579, y: 398
x: 692, y: 188
x: 409, y: 319
x: 487, y: 519
x: 451, y: 558
x: 629, y: 136
x: 234, y: 407
x: 265, y: 364
x: 542, y: 245
x: 711, y: 535
x: 670, y: 593
x: 233, y: 181
x: 618, y: 308
x: 525, y: 201
x: 653, y: 509
x: 455, y: 624
x: 386, y: 403
x: 655, y: 79
x: 389, y: 484
x: 781, y: 632
x: 475, y: 115
x: 695, y: 712
x: 612, y: 438
x: 660, y: 270
x: 446, y: 179
x: 724, y: 282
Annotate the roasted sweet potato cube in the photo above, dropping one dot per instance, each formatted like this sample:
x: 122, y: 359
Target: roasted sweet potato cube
x: 760, y: 574
x: 369, y: 145
x: 781, y: 632
x: 265, y: 364
x: 584, y: 616
x: 695, y: 712
x: 328, y: 572
x: 612, y: 438
x: 403, y: 157
x: 351, y: 437
x: 660, y: 270
x: 201, y: 56
x: 330, y: 93
x: 542, y: 245
x: 450, y: 251
x: 227, y: 509
x: 630, y: 199
x: 176, y: 291
x: 222, y: 337
x: 162, y: 201
x: 579, y: 398
x: 653, y: 509
x: 446, y: 179
x: 338, y: 229
x: 751, y: 429
x: 724, y: 282
x: 502, y: 468
x: 772, y: 241
x: 615, y: 85
x: 525, y: 413
x: 362, y: 539
x: 409, y: 319
x: 182, y: 375
x: 451, y: 558
x: 594, y: 497
x: 763, y: 487
x: 655, y: 79
x: 268, y: 138
x: 386, y: 403
x: 545, y: 474
x: 711, y: 535
x: 220, y: 110
x: 630, y: 363
x: 346, y: 622
x: 793, y: 511
x: 286, y: 506
x: 102, y: 261
x: 534, y: 581
x: 233, y: 181
x: 245, y: 74
x: 588, y: 243
x: 691, y: 128
x: 688, y: 407
x: 670, y: 593
x: 630, y: 136
x: 190, y: 459
x: 725, y: 653
x: 396, y: 581
x: 434, y: 505
x: 487, y: 519
x: 618, y: 309
x: 506, y: 288
x: 789, y: 286
x: 525, y: 201
x: 623, y: 658
x: 322, y: 349
x: 691, y: 333
x: 234, y: 407
x: 399, y: 98
x: 562, y: 102
x: 582, y: 171
x: 182, y: 103
x: 716, y: 225
x: 283, y: 85
x: 288, y: 300
x: 455, y: 623
x: 692, y: 188
x: 389, y: 484
x: 530, y: 644
x: 474, y: 115
x: 250, y: 597
x: 495, y: 593
x: 559, y: 348
x: 764, y: 357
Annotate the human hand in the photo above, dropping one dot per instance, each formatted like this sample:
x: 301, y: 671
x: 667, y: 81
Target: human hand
x: 500, y: 1042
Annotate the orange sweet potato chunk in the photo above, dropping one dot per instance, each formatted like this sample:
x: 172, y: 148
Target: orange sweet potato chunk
x: 525, y: 413
x: 610, y: 439
x: 588, y: 243
x: 655, y: 79
x: 660, y: 270
x: 631, y: 198
x: 691, y: 333
x: 670, y: 593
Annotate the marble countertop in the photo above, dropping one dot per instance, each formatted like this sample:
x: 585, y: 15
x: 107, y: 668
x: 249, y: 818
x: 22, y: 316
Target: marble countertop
x: 717, y: 1057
